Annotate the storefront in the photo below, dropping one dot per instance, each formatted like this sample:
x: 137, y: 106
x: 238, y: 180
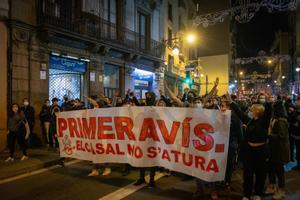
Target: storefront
x: 143, y: 82
x: 66, y: 77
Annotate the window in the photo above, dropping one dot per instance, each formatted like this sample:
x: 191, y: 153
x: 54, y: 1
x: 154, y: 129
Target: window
x: 170, y: 38
x: 181, y: 4
x: 144, y: 30
x: 170, y: 12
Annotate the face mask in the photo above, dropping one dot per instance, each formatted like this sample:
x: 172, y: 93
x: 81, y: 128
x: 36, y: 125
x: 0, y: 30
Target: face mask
x: 250, y: 114
x: 198, y: 105
x: 262, y: 101
x: 26, y: 103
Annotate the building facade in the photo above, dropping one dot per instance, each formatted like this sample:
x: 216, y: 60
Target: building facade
x: 4, y: 66
x: 81, y: 48
x: 178, y: 24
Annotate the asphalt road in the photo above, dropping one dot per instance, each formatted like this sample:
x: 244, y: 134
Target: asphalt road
x: 72, y: 182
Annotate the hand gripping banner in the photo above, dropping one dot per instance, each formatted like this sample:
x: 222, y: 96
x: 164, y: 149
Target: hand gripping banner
x: 188, y: 140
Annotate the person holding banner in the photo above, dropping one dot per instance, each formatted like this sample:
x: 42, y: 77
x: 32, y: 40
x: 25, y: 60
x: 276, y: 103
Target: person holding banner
x: 254, y: 148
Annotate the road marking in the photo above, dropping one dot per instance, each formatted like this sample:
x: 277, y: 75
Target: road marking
x: 128, y: 190
x: 39, y: 171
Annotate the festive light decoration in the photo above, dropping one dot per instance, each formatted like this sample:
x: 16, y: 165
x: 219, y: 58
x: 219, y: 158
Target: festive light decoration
x: 244, y: 10
x: 262, y: 59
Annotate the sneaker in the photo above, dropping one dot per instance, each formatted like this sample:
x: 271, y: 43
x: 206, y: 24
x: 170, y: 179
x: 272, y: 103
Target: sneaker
x: 270, y: 189
x: 9, y: 159
x: 94, y: 172
x: 106, y: 172
x: 24, y: 158
x: 139, y: 182
x: 256, y: 197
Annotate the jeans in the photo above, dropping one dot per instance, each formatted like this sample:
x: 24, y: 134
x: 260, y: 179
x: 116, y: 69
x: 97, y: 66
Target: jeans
x: 20, y: 137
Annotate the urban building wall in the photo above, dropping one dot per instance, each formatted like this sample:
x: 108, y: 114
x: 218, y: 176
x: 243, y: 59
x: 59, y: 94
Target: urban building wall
x: 4, y: 32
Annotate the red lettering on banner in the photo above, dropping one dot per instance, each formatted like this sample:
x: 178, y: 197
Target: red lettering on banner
x: 62, y: 125
x: 200, y: 131
x: 110, y: 149
x: 148, y: 130
x: 212, y: 166
x: 169, y: 138
x: 135, y: 151
x: 102, y: 128
x: 186, y: 129
x: 188, y: 162
x: 165, y: 155
x: 199, y: 162
x: 176, y: 154
x: 89, y: 129
x: 72, y: 127
x: 118, y: 150
x: 80, y: 135
x: 152, y: 152
x: 124, y: 128
x: 78, y: 145
x: 99, y: 148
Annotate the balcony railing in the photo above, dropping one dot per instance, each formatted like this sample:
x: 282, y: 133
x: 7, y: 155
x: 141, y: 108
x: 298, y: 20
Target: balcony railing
x: 60, y: 16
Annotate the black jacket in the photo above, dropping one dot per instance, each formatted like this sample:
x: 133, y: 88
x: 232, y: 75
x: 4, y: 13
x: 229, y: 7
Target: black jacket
x: 29, y: 114
x: 256, y: 130
x: 45, y: 114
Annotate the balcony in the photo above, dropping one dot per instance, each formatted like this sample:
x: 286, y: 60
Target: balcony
x: 88, y: 25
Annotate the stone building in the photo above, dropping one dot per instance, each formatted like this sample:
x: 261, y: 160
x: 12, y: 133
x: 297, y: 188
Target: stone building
x: 81, y: 47
x: 4, y: 66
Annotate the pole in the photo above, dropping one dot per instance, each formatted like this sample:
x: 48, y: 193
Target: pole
x: 206, y: 84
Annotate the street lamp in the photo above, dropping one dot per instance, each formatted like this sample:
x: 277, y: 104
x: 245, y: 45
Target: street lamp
x: 175, y: 50
x: 297, y: 69
x: 283, y: 77
x: 269, y: 61
x: 275, y: 81
x: 191, y: 38
x: 241, y: 73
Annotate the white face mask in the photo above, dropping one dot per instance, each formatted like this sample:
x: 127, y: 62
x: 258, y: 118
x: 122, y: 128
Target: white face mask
x: 198, y: 105
x: 250, y: 114
x: 26, y: 103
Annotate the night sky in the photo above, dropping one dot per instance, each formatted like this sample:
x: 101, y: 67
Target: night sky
x: 258, y: 34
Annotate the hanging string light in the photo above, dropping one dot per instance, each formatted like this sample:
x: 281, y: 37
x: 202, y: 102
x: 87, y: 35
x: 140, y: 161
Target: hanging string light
x: 244, y: 11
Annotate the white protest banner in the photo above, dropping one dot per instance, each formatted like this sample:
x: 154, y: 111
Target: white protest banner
x: 188, y: 140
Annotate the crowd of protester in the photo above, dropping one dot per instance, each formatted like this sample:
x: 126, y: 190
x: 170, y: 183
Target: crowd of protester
x: 264, y: 133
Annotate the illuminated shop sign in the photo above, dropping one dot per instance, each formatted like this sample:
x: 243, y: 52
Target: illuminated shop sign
x: 143, y: 75
x: 67, y: 64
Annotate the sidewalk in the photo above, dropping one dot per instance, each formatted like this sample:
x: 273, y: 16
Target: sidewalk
x: 38, y: 158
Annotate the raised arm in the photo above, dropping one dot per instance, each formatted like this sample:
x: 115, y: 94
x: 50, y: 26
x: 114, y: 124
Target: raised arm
x: 237, y: 110
x: 92, y: 101
x: 212, y: 92
x: 172, y: 95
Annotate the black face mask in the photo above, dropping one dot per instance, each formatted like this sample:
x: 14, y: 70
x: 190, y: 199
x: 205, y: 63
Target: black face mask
x: 66, y: 99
